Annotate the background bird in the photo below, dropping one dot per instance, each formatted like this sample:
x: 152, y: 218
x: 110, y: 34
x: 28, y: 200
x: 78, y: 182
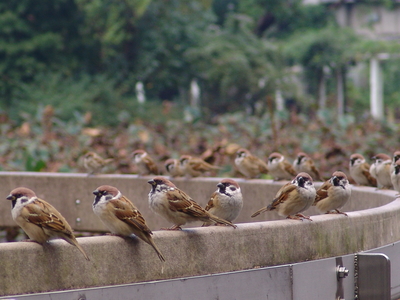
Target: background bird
x: 396, y: 157
x: 194, y: 166
x: 39, y: 219
x: 280, y: 168
x: 359, y: 171
x: 395, y: 175
x: 333, y: 194
x: 381, y: 170
x: 304, y: 163
x: 293, y: 198
x: 166, y: 200
x: 226, y: 202
x: 249, y: 165
x: 94, y: 163
x: 144, y: 162
x: 120, y: 216
x: 172, y: 167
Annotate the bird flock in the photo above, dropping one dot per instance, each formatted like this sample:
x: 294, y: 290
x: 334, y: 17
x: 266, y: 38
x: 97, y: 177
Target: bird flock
x: 42, y: 222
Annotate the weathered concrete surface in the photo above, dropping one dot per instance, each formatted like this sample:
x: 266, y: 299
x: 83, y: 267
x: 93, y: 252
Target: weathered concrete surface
x: 28, y: 267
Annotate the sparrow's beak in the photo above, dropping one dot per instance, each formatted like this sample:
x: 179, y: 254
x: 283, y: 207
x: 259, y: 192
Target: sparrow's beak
x: 10, y: 197
x: 152, y: 182
x: 220, y: 185
x: 96, y: 192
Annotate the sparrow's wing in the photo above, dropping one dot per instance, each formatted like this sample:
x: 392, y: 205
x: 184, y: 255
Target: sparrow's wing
x: 128, y: 213
x: 315, y: 170
x: 181, y: 202
x: 200, y: 165
x: 151, y: 165
x: 43, y: 214
x: 289, y: 168
x: 210, y: 203
x: 322, y: 192
x: 258, y: 164
x: 282, y: 195
x: 365, y: 171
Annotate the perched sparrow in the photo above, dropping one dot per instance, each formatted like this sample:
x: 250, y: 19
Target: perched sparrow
x: 120, y: 216
x: 176, y: 206
x: 172, y: 167
x: 279, y: 167
x: 93, y: 162
x: 226, y: 202
x: 381, y: 170
x: 144, y: 163
x: 293, y: 198
x: 395, y: 175
x: 40, y: 220
x: 396, y: 157
x: 249, y: 165
x: 333, y: 194
x: 194, y: 166
x: 359, y: 170
x: 304, y: 163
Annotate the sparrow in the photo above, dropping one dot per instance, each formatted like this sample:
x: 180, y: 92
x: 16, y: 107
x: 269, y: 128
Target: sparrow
x: 396, y: 157
x: 304, y: 163
x: 395, y: 175
x: 249, y: 165
x: 226, y: 202
x: 360, y: 170
x: 144, y: 163
x: 333, y: 194
x: 93, y: 162
x: 293, y: 198
x: 194, y: 166
x: 173, y: 204
x: 279, y: 167
x: 120, y: 216
x: 380, y: 169
x: 39, y: 219
x: 172, y: 167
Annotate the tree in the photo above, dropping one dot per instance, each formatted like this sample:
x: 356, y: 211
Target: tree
x: 32, y: 35
x: 330, y: 48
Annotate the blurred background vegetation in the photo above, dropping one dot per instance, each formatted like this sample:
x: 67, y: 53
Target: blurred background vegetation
x: 69, y: 71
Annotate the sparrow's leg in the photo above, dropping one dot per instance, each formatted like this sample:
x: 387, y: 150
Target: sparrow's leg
x: 303, y: 217
x: 340, y: 212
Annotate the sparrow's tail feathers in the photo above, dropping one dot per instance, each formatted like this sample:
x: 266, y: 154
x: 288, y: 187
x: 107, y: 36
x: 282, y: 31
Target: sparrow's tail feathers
x: 74, y: 242
x: 261, y: 211
x: 221, y: 221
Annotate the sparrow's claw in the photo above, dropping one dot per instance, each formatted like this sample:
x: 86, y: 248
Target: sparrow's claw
x: 175, y: 227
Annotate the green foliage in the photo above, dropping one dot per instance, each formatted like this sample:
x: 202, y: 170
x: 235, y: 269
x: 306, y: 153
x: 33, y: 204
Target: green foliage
x: 32, y: 34
x: 230, y: 61
x: 279, y: 19
x: 166, y: 31
x: 87, y: 55
x: 79, y: 95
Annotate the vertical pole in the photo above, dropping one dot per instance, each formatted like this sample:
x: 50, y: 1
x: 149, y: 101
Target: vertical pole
x: 140, y: 95
x: 194, y: 94
x: 279, y: 102
x: 376, y: 89
x: 340, y: 92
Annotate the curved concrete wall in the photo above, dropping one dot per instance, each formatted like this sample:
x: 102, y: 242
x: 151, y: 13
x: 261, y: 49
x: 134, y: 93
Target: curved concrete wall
x: 373, y: 220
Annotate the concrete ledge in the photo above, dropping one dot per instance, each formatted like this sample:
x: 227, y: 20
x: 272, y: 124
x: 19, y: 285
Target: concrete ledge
x: 31, y: 268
